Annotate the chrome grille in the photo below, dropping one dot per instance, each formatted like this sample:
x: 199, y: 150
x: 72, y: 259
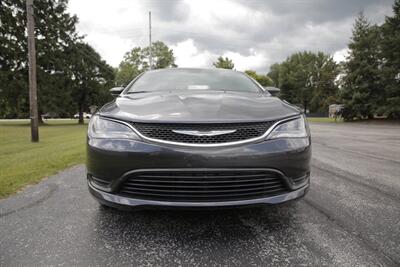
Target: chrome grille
x: 165, y: 131
x: 202, y: 186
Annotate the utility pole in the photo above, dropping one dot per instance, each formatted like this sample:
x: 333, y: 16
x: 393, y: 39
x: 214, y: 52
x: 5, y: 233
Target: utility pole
x: 150, y: 50
x: 33, y: 108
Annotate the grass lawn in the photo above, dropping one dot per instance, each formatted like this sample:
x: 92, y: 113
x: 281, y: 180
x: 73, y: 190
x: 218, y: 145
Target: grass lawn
x: 324, y: 119
x: 62, y: 144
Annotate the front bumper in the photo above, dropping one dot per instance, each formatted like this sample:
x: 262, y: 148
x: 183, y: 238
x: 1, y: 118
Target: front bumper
x: 113, y: 160
x: 126, y: 203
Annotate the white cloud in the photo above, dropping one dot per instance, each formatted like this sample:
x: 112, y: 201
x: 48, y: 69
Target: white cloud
x: 255, y: 34
x: 242, y: 63
x: 113, y: 49
x: 109, y: 27
x: 187, y: 55
x: 340, y: 55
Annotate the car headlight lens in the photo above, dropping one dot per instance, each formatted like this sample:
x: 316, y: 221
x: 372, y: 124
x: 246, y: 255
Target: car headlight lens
x: 103, y: 128
x: 292, y: 129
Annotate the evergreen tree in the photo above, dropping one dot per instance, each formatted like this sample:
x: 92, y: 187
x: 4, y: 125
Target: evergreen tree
x: 362, y: 92
x: 390, y: 55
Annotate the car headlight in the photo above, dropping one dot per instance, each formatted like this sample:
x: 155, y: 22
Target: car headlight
x: 103, y: 128
x: 292, y: 129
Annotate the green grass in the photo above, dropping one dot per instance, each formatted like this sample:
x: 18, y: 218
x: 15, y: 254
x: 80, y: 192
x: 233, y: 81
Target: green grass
x: 325, y: 120
x: 62, y: 144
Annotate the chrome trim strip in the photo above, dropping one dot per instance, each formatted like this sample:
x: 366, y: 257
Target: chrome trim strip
x: 142, y: 202
x: 205, y: 145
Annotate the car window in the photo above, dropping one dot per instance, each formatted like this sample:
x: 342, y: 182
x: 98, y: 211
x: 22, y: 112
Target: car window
x: 193, y: 79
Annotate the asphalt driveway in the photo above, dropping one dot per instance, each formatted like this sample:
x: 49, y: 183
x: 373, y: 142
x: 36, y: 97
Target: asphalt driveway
x: 350, y: 217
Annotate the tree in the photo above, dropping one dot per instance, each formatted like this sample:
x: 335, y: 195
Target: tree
x: 308, y: 79
x: 274, y: 74
x: 264, y: 80
x: 224, y: 63
x: 322, y: 81
x: 390, y: 55
x: 13, y: 60
x: 136, y: 61
x: 362, y: 92
x: 55, y: 34
x: 130, y: 67
x: 91, y: 77
x: 162, y: 55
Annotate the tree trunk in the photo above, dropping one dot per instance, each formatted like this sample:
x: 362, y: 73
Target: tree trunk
x: 305, y: 106
x: 80, y: 121
x: 40, y: 118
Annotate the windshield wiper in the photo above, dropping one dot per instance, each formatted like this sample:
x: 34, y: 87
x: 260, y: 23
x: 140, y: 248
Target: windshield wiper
x: 137, y: 92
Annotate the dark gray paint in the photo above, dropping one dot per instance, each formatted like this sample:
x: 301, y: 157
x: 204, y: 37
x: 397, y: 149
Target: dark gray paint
x: 206, y: 106
x: 110, y: 159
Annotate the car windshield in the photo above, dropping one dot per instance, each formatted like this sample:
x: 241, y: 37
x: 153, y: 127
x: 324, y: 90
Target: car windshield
x: 193, y: 79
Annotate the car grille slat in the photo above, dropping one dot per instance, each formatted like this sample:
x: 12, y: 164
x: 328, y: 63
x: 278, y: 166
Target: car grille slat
x: 192, y: 181
x: 165, y: 131
x: 202, y: 185
x: 300, y: 180
x: 189, y: 197
x: 197, y: 183
x: 195, y: 187
x: 205, y: 176
x: 100, y: 182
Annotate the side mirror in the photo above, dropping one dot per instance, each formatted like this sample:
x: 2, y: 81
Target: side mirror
x: 116, y: 91
x: 272, y: 90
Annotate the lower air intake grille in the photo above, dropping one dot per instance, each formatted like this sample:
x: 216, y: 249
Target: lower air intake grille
x: 202, y: 186
x: 300, y: 180
x: 100, y: 182
x: 165, y: 131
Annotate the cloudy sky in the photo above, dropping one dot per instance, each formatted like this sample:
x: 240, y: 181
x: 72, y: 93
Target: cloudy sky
x: 254, y: 33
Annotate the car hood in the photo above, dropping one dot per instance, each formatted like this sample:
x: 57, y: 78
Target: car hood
x: 197, y: 107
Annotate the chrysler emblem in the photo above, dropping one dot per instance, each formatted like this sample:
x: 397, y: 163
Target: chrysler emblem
x: 204, y: 133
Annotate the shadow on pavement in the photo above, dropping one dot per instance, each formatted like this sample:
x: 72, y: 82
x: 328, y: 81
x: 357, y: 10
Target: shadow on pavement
x: 216, y: 227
